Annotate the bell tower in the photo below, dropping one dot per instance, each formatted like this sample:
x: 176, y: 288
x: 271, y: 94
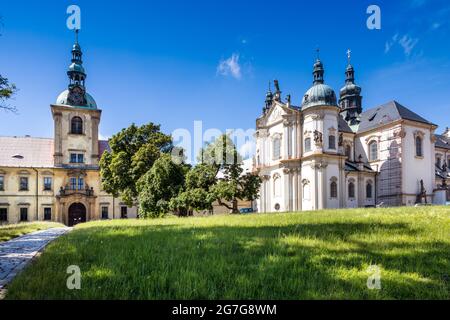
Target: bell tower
x: 350, y: 101
x: 76, y: 119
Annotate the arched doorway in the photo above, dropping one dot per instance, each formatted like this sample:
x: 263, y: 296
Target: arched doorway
x: 77, y: 214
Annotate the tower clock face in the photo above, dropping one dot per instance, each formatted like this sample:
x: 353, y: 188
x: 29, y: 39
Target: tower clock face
x: 76, y: 96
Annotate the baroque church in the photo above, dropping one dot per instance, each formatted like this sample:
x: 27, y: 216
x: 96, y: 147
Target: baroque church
x: 59, y: 179
x: 330, y: 153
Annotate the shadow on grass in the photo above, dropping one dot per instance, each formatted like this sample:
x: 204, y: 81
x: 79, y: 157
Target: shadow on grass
x: 299, y: 261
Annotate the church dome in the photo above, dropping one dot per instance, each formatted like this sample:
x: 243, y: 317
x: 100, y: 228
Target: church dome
x: 319, y: 95
x: 63, y: 100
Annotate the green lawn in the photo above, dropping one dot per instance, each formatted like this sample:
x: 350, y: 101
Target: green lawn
x: 10, y: 231
x: 313, y: 255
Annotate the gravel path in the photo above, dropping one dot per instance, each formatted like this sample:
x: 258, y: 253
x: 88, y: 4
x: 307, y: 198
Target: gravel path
x: 15, y: 254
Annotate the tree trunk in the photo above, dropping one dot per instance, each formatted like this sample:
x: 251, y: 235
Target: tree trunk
x: 235, y: 206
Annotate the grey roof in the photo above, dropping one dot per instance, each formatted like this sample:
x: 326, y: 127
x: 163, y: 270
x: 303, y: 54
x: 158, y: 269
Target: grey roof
x: 391, y: 111
x: 343, y: 125
x: 26, y: 152
x: 353, y: 166
x: 442, y: 142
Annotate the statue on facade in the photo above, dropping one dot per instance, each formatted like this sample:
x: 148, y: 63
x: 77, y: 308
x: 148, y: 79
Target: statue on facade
x: 444, y: 167
x: 318, y: 137
x: 341, y: 140
x: 423, y: 194
x: 288, y: 99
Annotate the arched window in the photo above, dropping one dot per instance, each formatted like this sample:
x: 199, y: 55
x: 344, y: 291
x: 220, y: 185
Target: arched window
x: 348, y: 151
x: 373, y: 151
x: 76, y: 125
x: 333, y: 189
x: 306, y: 190
x: 277, y: 186
x: 369, y: 190
x: 307, y: 144
x: 331, y: 142
x: 419, y: 152
x: 276, y: 148
x: 351, y: 190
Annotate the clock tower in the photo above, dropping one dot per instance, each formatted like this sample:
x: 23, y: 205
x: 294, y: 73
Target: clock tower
x: 76, y: 119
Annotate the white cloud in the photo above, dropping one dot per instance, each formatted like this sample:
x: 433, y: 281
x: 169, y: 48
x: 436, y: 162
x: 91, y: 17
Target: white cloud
x: 406, y: 42
x: 230, y: 67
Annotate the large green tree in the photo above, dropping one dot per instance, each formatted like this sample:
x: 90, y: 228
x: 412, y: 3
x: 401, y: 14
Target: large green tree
x: 196, y: 193
x: 235, y: 185
x: 158, y: 186
x: 134, y: 150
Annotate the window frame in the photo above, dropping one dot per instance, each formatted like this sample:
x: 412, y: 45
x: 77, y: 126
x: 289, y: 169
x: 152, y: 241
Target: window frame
x: 2, y: 183
x: 24, y: 187
x: 369, y: 184
x: 123, y: 212
x: 332, y: 142
x: 23, y: 211
x: 46, y: 187
x: 308, y: 145
x: 76, y: 125
x: 276, y: 148
x: 3, y: 214
x: 47, y: 210
x: 103, y: 211
x: 370, y: 151
x: 333, y: 190
x: 351, y: 190
x: 418, y: 141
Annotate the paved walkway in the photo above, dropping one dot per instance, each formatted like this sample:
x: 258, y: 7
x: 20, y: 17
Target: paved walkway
x: 15, y: 254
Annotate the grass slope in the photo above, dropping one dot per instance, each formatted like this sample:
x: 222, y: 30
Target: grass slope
x: 10, y: 231
x: 312, y: 255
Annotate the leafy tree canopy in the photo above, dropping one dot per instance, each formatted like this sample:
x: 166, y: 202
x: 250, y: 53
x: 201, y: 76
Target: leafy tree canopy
x: 134, y: 150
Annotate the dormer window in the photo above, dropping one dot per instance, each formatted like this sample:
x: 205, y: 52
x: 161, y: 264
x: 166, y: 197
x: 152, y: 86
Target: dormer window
x: 76, y: 126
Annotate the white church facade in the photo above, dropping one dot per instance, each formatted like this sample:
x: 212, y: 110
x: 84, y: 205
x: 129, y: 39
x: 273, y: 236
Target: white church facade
x: 328, y: 153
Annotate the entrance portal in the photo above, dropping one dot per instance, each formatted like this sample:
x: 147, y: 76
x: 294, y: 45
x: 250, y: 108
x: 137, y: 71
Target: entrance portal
x: 77, y: 214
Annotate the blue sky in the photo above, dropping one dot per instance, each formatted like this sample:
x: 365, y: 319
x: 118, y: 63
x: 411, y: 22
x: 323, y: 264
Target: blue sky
x: 174, y: 62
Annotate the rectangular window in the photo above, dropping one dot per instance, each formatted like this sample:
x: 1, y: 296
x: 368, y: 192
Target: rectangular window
x: 331, y: 142
x: 307, y: 144
x: 76, y: 158
x: 73, y: 183
x: 47, y: 214
x: 104, y: 212
x: 23, y: 185
x: 80, y: 183
x: 47, y: 183
x: 23, y: 214
x: 3, y: 214
x: 123, y: 212
x: 2, y: 183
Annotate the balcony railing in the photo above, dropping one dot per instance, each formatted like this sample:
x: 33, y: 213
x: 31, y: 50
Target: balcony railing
x: 70, y: 190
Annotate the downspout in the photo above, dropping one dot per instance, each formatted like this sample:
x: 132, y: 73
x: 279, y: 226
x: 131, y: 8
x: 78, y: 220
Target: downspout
x: 37, y: 193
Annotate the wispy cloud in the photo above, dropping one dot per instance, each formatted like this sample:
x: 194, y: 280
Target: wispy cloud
x: 406, y: 42
x: 230, y: 67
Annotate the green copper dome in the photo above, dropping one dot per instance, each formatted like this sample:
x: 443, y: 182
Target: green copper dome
x: 63, y: 99
x: 319, y: 94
